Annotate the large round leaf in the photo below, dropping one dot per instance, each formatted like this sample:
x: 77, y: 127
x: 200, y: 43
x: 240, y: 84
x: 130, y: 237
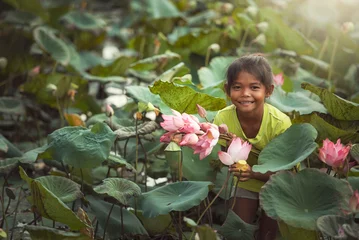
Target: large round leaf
x: 119, y: 188
x: 294, y: 101
x: 329, y: 225
x: 288, y: 149
x: 53, y: 45
x: 354, y: 183
x: 7, y: 165
x: 235, y: 228
x: 63, y: 188
x: 215, y: 73
x: 198, y: 170
x: 339, y: 108
x: 50, y: 206
x: 81, y: 147
x: 84, y: 20
x: 354, y: 152
x: 131, y: 224
x: 157, y: 61
x: 44, y: 233
x: 169, y: 93
x: 10, y: 105
x: 156, y: 225
x: 299, y: 199
x: 294, y: 233
x: 179, y: 196
x: 159, y: 9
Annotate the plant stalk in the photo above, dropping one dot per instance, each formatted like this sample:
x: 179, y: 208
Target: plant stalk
x: 108, y: 218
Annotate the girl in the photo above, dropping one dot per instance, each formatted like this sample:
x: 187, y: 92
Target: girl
x: 249, y: 83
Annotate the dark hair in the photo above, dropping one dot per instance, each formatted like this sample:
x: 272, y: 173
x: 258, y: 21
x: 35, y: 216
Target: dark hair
x: 254, y: 64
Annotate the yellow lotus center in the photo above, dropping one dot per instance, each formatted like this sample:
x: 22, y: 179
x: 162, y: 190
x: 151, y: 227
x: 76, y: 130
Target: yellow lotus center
x: 242, y: 165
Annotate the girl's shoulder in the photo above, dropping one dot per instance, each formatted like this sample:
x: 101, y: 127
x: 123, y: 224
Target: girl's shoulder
x: 276, y: 114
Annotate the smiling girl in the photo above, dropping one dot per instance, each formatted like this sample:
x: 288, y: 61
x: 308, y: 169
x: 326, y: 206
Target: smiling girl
x: 249, y: 83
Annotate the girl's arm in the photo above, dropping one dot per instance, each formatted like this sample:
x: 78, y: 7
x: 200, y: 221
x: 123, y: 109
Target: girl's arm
x: 246, y: 175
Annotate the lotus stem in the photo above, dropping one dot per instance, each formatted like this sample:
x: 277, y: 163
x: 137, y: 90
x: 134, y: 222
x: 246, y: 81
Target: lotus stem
x: 209, y: 205
x: 331, y: 64
x: 210, y: 214
x: 59, y: 108
x: 146, y: 161
x: 3, y: 207
x: 122, y: 228
x: 136, y: 160
x: 235, y: 197
x: 329, y: 169
x: 244, y: 38
x: 207, y: 56
x: 321, y: 53
x: 178, y: 228
x: 108, y: 218
x: 17, y: 206
x: 96, y: 228
x: 125, y: 148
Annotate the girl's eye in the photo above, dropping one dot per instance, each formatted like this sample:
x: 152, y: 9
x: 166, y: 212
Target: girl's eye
x: 236, y: 87
x: 255, y: 87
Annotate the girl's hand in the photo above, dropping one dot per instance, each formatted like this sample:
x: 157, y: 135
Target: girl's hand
x: 241, y: 175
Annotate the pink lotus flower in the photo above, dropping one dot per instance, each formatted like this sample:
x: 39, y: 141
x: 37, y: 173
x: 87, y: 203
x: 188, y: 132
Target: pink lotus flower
x: 354, y: 202
x: 333, y: 154
x: 184, y: 123
x: 109, y: 111
x: 207, y: 141
x: 238, y: 150
x: 278, y: 79
x: 223, y: 129
x: 201, y: 111
x: 189, y: 139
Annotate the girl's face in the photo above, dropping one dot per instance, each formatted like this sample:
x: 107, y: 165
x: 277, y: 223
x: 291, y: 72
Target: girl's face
x: 248, y: 94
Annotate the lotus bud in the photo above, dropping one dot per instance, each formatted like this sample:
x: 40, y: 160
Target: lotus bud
x: 227, y: 8
x: 3, y: 63
x: 109, y: 111
x: 201, y: 111
x: 151, y: 115
x: 260, y: 39
x: 262, y: 27
x: 34, y: 71
x: 252, y: 11
x: 137, y: 115
x: 242, y: 165
x: 223, y: 129
x: 52, y: 88
x: 347, y: 27
x: 354, y: 202
x: 215, y: 47
x: 71, y: 93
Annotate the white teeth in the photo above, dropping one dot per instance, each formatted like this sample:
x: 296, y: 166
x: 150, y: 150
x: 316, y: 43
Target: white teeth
x: 246, y: 102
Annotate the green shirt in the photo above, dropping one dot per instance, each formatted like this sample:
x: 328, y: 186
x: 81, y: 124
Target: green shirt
x: 274, y: 122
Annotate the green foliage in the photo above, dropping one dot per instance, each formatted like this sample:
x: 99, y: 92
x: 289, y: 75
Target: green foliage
x: 80, y: 147
x: 288, y: 149
x: 121, y: 189
x: 178, y: 196
x: 83, y: 20
x: 44, y: 233
x: 235, y: 228
x: 318, y: 194
x: 170, y: 94
x: 11, y: 105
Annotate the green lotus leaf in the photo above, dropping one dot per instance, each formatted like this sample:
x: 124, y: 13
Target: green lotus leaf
x: 142, y: 129
x: 63, y: 188
x: 116, y: 68
x: 179, y: 196
x: 132, y: 226
x: 12, y: 151
x: 91, y: 77
x: 45, y: 233
x: 157, y: 61
x: 143, y: 76
x: 326, y: 130
x: 329, y: 225
x: 158, y: 168
x: 354, y: 152
x: 8, y: 164
x: 205, y: 232
x: 198, y: 170
x: 288, y: 149
x: 116, y: 161
x: 339, y: 108
x: 49, y: 205
x: 119, y: 188
x: 169, y: 93
x: 84, y: 20
x: 215, y: 73
x: 142, y: 94
x: 20, y: 17
x: 160, y: 9
x: 315, y: 62
x: 294, y: 233
x: 10, y: 105
x: 80, y: 147
x: 294, y: 101
x: 235, y: 228
x: 354, y: 171
x: 302, y: 75
x: 354, y: 183
x: 3, y: 146
x: 47, y: 40
x: 31, y: 6
x: 299, y: 199
x: 176, y: 71
x: 156, y: 225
